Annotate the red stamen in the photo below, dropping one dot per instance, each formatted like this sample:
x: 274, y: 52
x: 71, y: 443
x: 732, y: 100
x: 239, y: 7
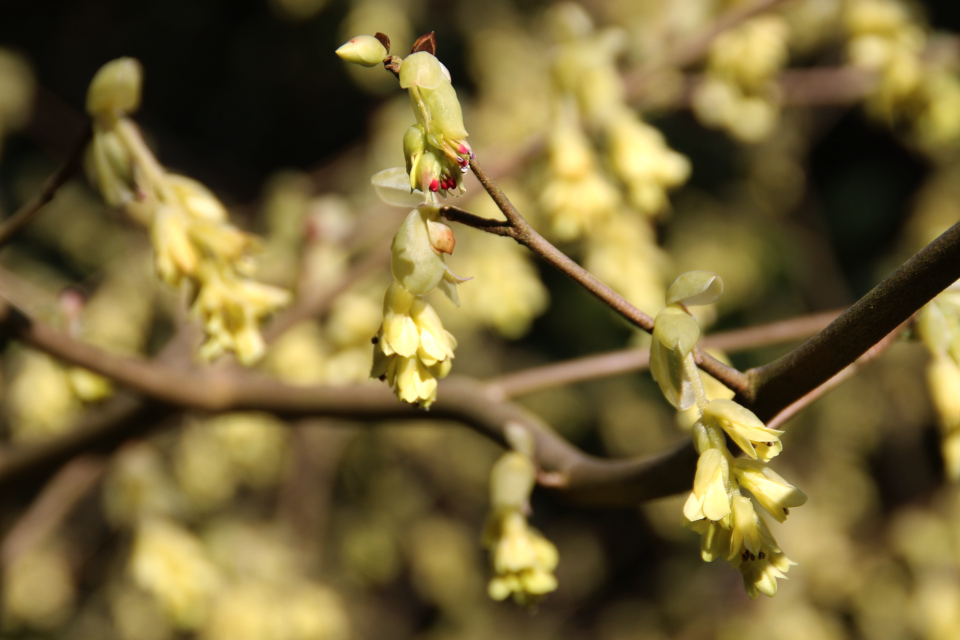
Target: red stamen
x: 434, y: 185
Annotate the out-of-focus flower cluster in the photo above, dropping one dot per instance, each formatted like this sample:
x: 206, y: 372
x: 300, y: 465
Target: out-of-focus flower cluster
x: 739, y: 93
x: 523, y: 560
x: 915, y: 88
x: 195, y: 244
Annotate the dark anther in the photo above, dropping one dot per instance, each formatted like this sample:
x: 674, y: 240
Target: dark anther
x: 374, y: 340
x: 786, y: 511
x: 761, y: 555
x: 382, y: 377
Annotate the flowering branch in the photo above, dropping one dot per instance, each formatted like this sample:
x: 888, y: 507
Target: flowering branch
x: 521, y: 231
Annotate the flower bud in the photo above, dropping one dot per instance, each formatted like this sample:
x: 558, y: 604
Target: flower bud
x: 363, y: 50
x: 116, y: 87
x: 441, y: 237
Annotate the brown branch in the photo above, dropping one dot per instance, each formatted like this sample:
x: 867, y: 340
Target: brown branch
x: 521, y: 231
x: 512, y: 385
x: 12, y: 225
x: 867, y: 322
x: 170, y: 389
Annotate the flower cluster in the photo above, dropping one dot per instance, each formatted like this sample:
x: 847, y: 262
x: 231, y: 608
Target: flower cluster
x: 913, y: 88
x: 436, y: 150
x: 739, y: 93
x: 195, y: 244
x: 412, y: 350
x: 716, y: 509
x: 523, y: 560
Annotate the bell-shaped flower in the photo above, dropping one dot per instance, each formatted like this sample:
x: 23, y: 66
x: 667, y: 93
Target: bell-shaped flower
x: 761, y: 570
x: 412, y: 348
x: 774, y: 494
x: 675, y: 334
x: 714, y: 538
x: 523, y: 560
x: 744, y: 529
x: 709, y: 498
x: 745, y: 428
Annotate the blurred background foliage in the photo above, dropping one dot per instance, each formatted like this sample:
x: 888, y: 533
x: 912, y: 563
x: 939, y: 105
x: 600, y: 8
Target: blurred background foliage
x: 244, y: 527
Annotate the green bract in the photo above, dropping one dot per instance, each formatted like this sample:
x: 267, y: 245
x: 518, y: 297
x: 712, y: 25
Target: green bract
x: 695, y: 288
x: 414, y: 263
x: 675, y: 334
x: 393, y: 187
x: 422, y: 70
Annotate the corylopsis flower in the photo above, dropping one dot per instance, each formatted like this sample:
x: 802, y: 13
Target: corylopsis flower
x: 745, y: 428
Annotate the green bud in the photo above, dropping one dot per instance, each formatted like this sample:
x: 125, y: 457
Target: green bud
x: 363, y: 50
x: 116, y: 87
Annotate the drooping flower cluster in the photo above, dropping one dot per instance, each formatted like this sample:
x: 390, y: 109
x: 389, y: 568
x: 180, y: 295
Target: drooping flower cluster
x: 435, y: 148
x: 523, y: 560
x: 729, y: 525
x: 914, y: 88
x: 412, y: 350
x: 195, y: 244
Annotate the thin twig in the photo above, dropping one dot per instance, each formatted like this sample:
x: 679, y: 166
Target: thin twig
x: 520, y: 383
x: 168, y: 390
x: 51, y: 507
x: 521, y: 231
x: 12, y: 225
x: 848, y: 372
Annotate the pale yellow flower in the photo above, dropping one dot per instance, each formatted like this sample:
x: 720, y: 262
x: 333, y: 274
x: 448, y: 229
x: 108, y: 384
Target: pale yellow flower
x: 774, y: 494
x: 745, y: 428
x: 523, y: 560
x: 709, y: 498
